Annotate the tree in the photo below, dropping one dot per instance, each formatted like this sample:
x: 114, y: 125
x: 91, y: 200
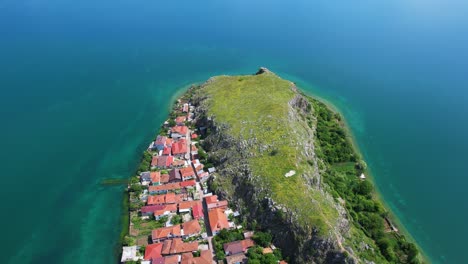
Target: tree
x: 176, y: 219
x: 262, y: 239
x: 364, y: 188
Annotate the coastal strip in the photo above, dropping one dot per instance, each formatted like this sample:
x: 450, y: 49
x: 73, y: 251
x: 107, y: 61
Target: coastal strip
x: 171, y: 215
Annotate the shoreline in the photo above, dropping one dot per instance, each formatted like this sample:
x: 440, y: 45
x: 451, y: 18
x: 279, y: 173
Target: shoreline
x: 392, y: 216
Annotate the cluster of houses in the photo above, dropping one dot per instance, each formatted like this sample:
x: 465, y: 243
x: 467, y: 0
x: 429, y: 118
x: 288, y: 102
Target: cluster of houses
x: 175, y: 187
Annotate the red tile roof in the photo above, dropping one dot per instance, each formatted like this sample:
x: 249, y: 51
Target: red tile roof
x: 174, y: 259
x: 180, y: 130
x: 165, y: 187
x: 169, y: 198
x: 164, y: 161
x: 167, y: 208
x: 164, y: 178
x: 247, y: 243
x: 213, y: 202
x: 169, y: 142
x: 167, y: 150
x: 160, y: 140
x: 166, y: 232
x: 188, y: 183
x: 233, y: 248
x: 177, y: 246
x: 154, y: 161
x: 181, y: 119
x: 187, y: 172
x: 197, y: 210
x: 194, y: 136
x: 180, y: 147
x: 191, y: 227
x: 151, y: 208
x: 153, y: 251
x: 218, y: 220
x: 155, y: 176
x: 205, y: 258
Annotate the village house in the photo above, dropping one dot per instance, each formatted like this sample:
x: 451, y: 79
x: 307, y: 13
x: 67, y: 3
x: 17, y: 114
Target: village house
x: 145, y: 178
x: 236, y: 259
x: 129, y: 254
x: 193, y: 149
x: 167, y: 210
x: 163, y: 233
x: 150, y: 209
x: 155, y: 177
x: 165, y: 188
x: 153, y: 251
x: 180, y: 120
x: 188, y: 184
x: 218, y: 220
x: 169, y: 198
x: 179, y: 149
x: 197, y: 211
x: 190, y: 228
x: 185, y: 108
x: 186, y: 206
x: 164, y: 162
x: 173, y: 259
x: 174, y: 175
x: 167, y: 151
x: 187, y: 173
x: 203, y: 176
x: 213, y: 202
x: 237, y: 247
x: 206, y: 257
x: 177, y: 246
x: 160, y: 142
x: 164, y: 178
x: 179, y: 163
x: 179, y: 132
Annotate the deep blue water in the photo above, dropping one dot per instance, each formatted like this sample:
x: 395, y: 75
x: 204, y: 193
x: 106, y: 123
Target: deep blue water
x: 84, y: 84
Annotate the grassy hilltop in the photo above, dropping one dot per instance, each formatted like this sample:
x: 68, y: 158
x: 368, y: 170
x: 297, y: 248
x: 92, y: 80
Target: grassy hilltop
x: 272, y: 129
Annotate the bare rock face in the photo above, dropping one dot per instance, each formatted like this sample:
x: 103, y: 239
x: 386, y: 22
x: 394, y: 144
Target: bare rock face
x: 262, y: 70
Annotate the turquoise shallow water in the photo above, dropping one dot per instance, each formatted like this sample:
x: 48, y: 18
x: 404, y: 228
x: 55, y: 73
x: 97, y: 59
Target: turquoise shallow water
x: 85, y: 84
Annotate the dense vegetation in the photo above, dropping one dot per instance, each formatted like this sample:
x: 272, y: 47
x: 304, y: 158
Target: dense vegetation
x: 342, y: 168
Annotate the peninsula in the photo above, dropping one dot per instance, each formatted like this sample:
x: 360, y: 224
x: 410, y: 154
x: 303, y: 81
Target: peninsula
x: 251, y: 169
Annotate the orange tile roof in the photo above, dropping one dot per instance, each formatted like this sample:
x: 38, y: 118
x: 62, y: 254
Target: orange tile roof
x: 154, y: 161
x: 179, y: 129
x: 187, y: 172
x: 188, y: 183
x: 218, y: 220
x: 165, y: 187
x: 156, y: 199
x: 205, y: 258
x: 211, y: 199
x: 185, y: 205
x: 177, y: 246
x: 180, y: 147
x: 155, y: 176
x: 174, y: 259
x: 166, y: 232
x: 191, y: 227
x: 247, y: 243
x: 153, y: 251
x: 165, y: 178
x: 167, y: 208
x: 181, y: 119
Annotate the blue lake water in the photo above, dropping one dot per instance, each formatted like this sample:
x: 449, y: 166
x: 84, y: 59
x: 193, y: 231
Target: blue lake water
x: 85, y: 84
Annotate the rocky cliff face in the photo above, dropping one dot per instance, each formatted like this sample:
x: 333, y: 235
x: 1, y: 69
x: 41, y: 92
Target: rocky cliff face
x: 302, y: 242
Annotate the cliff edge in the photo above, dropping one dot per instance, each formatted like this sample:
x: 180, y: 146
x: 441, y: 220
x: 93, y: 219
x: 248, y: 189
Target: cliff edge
x: 286, y: 161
